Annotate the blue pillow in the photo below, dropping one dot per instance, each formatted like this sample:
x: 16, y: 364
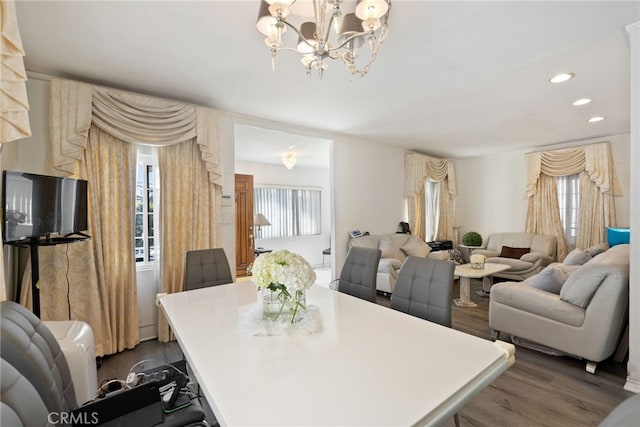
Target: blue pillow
x: 618, y: 236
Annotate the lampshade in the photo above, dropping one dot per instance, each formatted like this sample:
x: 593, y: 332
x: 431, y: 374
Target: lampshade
x: 371, y: 9
x: 351, y: 25
x: 266, y: 22
x: 306, y: 39
x: 260, y: 220
x: 289, y: 161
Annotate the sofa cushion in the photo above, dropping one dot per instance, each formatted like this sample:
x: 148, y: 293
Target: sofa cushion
x: 389, y: 265
x: 576, y: 257
x: 390, y: 249
x: 583, y: 284
x: 515, y: 264
x: 523, y: 297
x: 515, y: 253
x: 416, y: 247
x: 552, y: 277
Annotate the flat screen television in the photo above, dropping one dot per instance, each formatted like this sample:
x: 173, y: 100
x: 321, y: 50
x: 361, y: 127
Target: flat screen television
x: 39, y: 205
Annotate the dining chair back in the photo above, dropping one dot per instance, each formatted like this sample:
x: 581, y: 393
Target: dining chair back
x: 423, y: 289
x: 206, y: 267
x: 358, y: 275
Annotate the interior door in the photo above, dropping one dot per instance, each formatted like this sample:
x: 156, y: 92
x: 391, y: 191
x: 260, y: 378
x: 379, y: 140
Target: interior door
x: 244, y: 223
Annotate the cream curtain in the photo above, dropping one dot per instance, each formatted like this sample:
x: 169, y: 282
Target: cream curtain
x: 131, y: 117
x: 417, y: 169
x: 543, y: 214
x: 14, y: 105
x: 81, y: 114
x: 109, y: 165
x: 189, y: 206
x: 598, y: 185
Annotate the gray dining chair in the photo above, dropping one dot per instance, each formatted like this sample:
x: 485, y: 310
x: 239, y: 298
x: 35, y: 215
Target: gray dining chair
x: 358, y: 275
x: 423, y: 289
x: 206, y: 267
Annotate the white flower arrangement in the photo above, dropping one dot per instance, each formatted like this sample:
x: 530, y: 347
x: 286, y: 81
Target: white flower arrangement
x: 283, y: 268
x: 287, y: 274
x: 477, y: 261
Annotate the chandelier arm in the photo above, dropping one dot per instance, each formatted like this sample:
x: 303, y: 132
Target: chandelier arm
x: 300, y: 35
x: 353, y: 36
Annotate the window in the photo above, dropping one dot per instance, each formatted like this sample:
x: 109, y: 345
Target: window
x: 146, y: 214
x: 569, y: 202
x: 431, y: 209
x: 291, y: 211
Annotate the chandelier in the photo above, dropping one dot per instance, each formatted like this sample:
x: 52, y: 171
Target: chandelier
x: 333, y: 35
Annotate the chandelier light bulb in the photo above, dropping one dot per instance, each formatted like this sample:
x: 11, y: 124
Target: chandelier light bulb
x: 289, y: 161
x: 371, y: 9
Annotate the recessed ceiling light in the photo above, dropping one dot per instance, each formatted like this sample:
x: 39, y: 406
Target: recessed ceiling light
x: 581, y: 101
x: 562, y: 77
x: 595, y: 119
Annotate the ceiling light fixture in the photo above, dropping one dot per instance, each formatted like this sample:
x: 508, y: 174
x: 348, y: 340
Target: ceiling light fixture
x: 562, y: 77
x: 288, y: 160
x: 581, y: 101
x: 596, y: 119
x: 316, y: 41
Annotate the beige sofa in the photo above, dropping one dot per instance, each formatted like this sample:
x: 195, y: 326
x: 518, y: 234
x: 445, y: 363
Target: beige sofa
x: 585, y: 318
x: 395, y: 248
x: 541, y: 252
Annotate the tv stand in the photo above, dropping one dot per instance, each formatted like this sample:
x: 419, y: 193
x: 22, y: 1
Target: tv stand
x: 33, y: 243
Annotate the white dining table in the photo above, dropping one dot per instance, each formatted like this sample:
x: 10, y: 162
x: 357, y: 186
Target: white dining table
x: 366, y: 365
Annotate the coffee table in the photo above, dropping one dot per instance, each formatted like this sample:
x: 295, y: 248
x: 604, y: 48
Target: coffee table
x: 466, y: 273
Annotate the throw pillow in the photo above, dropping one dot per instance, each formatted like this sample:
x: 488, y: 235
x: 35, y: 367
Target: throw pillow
x: 516, y: 253
x: 416, y: 247
x: 389, y: 249
x: 552, y: 277
x: 583, y: 284
x: 576, y: 257
x: 597, y: 249
x: 456, y: 256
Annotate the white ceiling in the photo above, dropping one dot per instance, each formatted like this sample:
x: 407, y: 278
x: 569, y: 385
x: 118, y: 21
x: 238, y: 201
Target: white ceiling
x: 454, y: 79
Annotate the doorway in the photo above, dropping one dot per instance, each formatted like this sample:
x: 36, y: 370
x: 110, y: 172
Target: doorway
x: 244, y: 223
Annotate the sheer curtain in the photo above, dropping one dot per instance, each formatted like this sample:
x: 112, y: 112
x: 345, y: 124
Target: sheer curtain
x: 432, y: 211
x: 568, y: 201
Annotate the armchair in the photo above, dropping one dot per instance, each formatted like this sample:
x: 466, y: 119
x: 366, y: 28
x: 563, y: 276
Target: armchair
x: 36, y: 381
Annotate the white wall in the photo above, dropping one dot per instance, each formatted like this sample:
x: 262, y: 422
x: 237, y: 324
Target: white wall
x: 491, y: 189
x: 310, y: 247
x: 368, y: 184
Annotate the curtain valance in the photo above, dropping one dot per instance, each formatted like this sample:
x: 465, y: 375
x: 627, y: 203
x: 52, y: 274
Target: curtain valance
x: 134, y: 118
x: 14, y: 105
x: 418, y: 167
x: 596, y: 159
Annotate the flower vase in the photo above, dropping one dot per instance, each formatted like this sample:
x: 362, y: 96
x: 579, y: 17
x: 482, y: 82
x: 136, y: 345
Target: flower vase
x: 477, y: 265
x: 283, y: 306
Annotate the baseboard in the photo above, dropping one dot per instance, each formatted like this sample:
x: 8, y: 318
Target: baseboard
x: 632, y: 385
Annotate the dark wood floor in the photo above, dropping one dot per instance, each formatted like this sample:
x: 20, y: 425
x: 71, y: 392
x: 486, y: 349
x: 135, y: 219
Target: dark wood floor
x: 538, y: 390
